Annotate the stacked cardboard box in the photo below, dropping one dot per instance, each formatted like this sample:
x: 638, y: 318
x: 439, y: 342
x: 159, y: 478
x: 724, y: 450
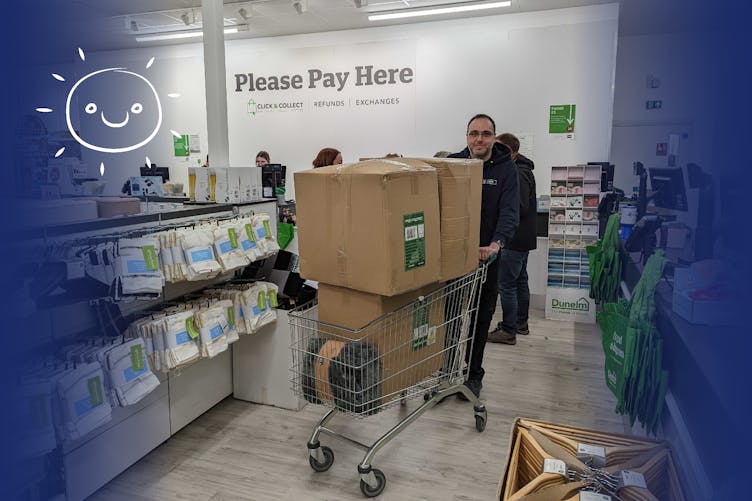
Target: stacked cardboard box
x: 380, y: 234
x: 372, y: 226
x: 410, y: 342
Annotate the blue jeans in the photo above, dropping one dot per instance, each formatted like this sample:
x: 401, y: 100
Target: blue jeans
x: 513, y: 289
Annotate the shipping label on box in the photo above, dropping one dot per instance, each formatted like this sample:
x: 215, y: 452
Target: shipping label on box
x: 570, y: 304
x: 372, y: 226
x: 460, y: 193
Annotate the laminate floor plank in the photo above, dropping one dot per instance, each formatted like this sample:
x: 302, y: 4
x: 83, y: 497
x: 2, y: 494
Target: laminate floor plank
x: 241, y: 451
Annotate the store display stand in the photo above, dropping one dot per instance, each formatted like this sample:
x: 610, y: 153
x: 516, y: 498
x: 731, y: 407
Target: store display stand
x: 573, y: 225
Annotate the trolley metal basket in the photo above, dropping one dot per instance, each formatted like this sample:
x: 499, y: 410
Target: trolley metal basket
x: 416, y: 350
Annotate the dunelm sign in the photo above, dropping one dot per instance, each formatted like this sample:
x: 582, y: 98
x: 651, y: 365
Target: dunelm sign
x: 581, y: 304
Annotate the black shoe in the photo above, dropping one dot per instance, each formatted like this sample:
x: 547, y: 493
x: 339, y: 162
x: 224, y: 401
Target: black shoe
x: 523, y: 330
x: 474, y: 386
x: 502, y: 336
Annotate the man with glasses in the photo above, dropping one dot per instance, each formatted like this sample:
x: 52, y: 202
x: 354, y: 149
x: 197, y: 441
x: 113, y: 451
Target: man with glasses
x: 499, y: 217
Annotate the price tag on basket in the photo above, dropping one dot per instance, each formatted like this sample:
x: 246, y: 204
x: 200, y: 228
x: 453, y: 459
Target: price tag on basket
x: 629, y: 478
x: 592, y: 455
x: 556, y: 466
x: 593, y: 496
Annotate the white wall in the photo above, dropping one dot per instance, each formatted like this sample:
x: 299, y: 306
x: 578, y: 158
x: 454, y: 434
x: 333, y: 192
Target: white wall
x: 685, y: 71
x: 510, y: 66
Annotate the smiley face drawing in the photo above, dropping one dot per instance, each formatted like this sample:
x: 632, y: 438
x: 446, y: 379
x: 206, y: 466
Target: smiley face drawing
x: 119, y: 110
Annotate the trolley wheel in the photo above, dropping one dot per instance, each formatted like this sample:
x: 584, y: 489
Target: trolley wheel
x: 328, y: 460
x: 480, y: 422
x: 370, y: 492
x: 429, y: 395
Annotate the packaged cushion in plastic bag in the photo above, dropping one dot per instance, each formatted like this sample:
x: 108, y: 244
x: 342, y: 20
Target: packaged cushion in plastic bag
x: 198, y: 249
x: 348, y: 373
x: 227, y: 246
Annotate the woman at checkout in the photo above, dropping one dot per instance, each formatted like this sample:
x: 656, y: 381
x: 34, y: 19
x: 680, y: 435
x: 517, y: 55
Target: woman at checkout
x: 262, y: 158
x: 327, y: 156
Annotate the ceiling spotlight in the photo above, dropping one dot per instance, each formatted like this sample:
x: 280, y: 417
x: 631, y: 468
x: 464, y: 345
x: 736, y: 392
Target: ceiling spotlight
x: 134, y: 25
x: 185, y: 19
x: 360, y: 3
x: 300, y: 6
x: 244, y: 13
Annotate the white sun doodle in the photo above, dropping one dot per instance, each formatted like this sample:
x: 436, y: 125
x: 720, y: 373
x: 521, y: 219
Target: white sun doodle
x: 115, y: 123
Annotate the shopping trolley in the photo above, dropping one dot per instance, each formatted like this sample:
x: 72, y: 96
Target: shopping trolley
x: 416, y: 350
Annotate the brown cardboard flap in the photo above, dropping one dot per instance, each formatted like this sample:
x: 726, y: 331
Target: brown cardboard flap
x: 328, y: 351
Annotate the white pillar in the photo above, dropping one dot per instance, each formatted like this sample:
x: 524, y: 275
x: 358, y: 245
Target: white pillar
x: 214, y: 76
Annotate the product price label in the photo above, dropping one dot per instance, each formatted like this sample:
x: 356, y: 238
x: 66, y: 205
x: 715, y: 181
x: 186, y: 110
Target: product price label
x: 231, y: 315
x: 233, y: 237
x: 593, y: 496
x: 273, y: 299
x: 556, y: 466
x: 632, y: 479
x: 215, y: 331
x: 200, y: 255
x: 150, y: 257
x: 137, y: 357
x: 267, y: 228
x: 593, y: 455
x: 420, y: 325
x: 415, y: 240
x: 249, y: 232
x: 191, y: 328
x: 94, y: 385
x: 225, y: 247
x: 182, y: 337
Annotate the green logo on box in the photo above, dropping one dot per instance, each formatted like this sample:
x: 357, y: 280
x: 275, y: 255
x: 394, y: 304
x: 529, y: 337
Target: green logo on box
x: 415, y: 240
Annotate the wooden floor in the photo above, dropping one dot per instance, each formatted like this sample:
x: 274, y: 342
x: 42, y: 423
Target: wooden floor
x: 242, y: 451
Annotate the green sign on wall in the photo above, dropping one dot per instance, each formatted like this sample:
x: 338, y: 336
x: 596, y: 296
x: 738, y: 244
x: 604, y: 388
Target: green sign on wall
x: 561, y: 118
x: 181, y: 145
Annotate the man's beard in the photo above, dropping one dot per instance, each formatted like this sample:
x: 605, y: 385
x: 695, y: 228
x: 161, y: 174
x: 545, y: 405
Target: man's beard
x: 481, y: 155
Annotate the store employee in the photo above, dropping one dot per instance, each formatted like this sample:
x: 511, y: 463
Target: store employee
x: 499, y: 218
x: 262, y: 158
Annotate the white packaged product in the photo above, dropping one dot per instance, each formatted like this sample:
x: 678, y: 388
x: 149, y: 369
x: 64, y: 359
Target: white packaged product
x: 138, y: 266
x: 212, y: 323
x: 165, y: 256
x: 178, y: 258
x: 257, y: 311
x: 37, y: 433
x: 180, y: 339
x: 198, y: 249
x: 264, y: 235
x: 129, y: 374
x: 227, y: 246
x: 82, y: 400
x: 228, y: 309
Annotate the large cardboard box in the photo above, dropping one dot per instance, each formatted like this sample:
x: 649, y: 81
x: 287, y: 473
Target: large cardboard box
x: 410, y: 342
x: 371, y: 226
x: 460, y: 192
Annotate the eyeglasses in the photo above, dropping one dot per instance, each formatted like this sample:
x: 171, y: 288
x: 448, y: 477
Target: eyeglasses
x: 486, y: 134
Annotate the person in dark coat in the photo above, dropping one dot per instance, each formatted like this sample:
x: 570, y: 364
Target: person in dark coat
x: 513, y: 280
x: 499, y: 217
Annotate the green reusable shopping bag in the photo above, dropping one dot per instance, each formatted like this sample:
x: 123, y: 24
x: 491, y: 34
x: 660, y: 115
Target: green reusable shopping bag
x: 285, y: 234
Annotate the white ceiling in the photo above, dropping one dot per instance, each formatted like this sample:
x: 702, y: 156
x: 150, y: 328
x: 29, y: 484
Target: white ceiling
x: 107, y: 24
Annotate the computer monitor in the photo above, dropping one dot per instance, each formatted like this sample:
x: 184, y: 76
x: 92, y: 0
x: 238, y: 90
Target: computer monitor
x: 667, y: 184
x: 272, y: 177
x: 156, y: 171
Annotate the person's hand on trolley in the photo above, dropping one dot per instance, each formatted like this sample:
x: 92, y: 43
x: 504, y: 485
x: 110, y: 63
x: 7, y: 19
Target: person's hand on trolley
x: 487, y: 252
